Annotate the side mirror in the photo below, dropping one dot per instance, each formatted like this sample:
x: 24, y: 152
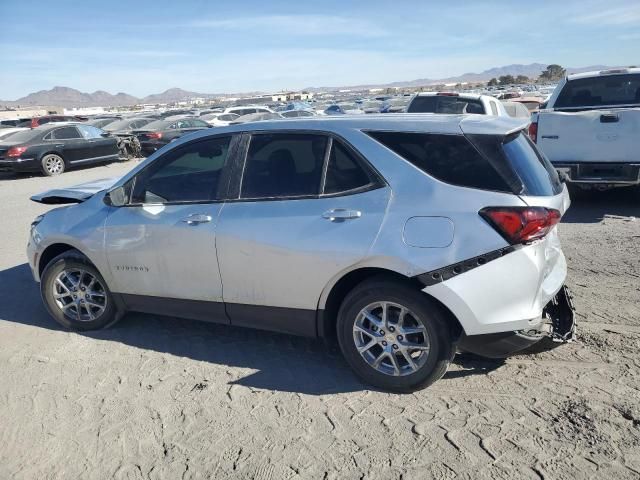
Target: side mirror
x: 116, y: 197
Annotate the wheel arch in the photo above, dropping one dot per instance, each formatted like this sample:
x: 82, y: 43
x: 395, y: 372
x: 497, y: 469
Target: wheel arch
x: 328, y: 311
x: 52, y: 251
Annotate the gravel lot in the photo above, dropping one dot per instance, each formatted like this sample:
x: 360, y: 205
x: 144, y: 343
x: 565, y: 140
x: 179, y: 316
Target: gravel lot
x: 165, y: 398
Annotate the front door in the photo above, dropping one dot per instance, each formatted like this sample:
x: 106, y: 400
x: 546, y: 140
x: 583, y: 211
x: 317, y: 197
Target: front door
x: 308, y: 209
x: 161, y: 248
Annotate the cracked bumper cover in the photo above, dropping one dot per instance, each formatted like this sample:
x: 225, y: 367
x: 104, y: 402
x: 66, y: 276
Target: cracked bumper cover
x: 558, y: 324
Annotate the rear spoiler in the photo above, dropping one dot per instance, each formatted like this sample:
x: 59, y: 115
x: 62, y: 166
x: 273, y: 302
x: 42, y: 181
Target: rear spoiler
x: 75, y: 194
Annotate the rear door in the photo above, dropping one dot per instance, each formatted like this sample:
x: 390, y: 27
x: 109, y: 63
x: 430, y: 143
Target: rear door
x: 305, y: 208
x: 73, y: 146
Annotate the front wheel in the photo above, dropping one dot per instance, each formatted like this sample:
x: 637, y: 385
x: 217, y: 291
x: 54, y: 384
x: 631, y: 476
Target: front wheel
x: 75, y: 293
x: 393, y: 337
x: 52, y: 164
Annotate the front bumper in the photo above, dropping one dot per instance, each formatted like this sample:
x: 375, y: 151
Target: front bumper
x: 19, y: 165
x: 558, y: 324
x: 614, y: 174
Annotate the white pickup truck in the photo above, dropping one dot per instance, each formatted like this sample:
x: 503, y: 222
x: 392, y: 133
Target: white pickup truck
x: 590, y: 128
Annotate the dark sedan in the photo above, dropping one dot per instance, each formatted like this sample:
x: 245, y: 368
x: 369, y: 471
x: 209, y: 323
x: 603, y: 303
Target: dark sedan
x: 127, y: 125
x: 102, y: 121
x: 157, y: 134
x: 53, y: 148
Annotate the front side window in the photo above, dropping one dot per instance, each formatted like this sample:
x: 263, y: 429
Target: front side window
x: 344, y: 172
x: 283, y: 165
x: 89, y: 132
x: 66, y: 133
x: 187, y: 174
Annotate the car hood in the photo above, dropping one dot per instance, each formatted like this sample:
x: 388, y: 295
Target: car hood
x: 75, y: 194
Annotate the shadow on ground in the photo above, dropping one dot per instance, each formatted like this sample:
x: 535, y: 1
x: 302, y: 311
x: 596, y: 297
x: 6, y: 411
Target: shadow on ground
x: 282, y: 362
x: 591, y: 206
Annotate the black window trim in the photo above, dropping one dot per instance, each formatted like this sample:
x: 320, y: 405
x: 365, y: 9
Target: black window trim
x: 81, y: 137
x: 224, y: 178
x: 377, y: 180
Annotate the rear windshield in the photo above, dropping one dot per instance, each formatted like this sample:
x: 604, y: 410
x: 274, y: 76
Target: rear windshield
x: 445, y: 104
x: 23, y: 136
x: 600, y: 91
x: 487, y: 162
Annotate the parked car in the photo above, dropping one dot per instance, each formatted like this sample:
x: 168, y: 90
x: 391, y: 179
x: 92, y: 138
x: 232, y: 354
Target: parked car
x: 390, y: 233
x: 37, y: 121
x: 157, y: 134
x: 126, y: 126
x: 54, y: 148
x: 247, y: 109
x: 343, y: 109
x: 589, y: 128
x: 515, y: 109
x: 7, y: 132
x: 256, y: 117
x: 102, y: 122
x: 452, y: 102
x: 297, y: 113
x: 219, y: 119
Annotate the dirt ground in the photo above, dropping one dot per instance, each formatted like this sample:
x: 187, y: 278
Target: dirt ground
x: 162, y: 398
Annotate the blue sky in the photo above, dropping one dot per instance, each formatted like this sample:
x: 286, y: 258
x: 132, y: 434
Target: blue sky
x: 143, y: 47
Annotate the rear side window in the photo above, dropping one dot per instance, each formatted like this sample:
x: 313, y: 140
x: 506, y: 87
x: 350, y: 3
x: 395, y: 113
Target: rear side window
x: 65, y: 133
x: 283, y: 165
x: 344, y: 172
x: 600, y: 91
x: 450, y: 158
x: 444, y: 104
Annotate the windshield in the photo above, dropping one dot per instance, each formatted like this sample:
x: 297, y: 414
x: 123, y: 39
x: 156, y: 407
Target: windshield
x: 445, y: 104
x: 600, y: 91
x: 157, y: 125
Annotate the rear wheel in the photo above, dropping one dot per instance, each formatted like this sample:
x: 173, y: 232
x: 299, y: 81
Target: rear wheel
x: 393, y: 336
x: 75, y: 293
x: 52, y: 164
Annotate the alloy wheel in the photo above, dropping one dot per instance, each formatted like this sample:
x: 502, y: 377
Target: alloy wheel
x: 79, y: 294
x: 391, y: 338
x: 53, y: 164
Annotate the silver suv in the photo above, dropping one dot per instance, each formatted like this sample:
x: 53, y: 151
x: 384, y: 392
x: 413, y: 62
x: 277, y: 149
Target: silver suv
x: 407, y: 237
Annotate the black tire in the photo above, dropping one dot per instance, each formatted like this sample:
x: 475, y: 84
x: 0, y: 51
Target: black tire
x: 438, y: 329
x: 69, y: 261
x: 52, y: 164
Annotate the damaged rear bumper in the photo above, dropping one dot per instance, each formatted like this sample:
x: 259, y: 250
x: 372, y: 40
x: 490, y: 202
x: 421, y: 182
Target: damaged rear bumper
x: 558, y: 324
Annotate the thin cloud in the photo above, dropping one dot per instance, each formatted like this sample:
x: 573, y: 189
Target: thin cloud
x: 627, y: 15
x: 302, y: 25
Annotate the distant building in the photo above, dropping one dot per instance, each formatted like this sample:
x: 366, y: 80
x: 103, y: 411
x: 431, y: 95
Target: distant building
x: 290, y: 96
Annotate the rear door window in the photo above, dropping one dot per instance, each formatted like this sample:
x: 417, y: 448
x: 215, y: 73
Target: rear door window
x: 344, y: 171
x: 283, y: 165
x: 66, y: 133
x: 449, y: 158
x: 605, y: 90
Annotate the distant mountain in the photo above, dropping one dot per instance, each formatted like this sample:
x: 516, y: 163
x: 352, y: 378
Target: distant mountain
x: 69, y: 97
x: 172, y: 95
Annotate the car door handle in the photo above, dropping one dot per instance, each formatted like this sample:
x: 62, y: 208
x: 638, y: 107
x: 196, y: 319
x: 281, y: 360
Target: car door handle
x: 341, y: 214
x: 197, y: 218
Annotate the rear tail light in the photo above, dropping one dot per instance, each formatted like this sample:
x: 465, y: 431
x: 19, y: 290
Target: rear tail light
x: 154, y: 135
x: 15, y: 152
x: 533, y: 131
x: 521, y: 224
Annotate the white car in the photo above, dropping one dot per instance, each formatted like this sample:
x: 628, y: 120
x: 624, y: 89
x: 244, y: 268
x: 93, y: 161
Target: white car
x: 405, y: 238
x: 590, y: 128
x: 219, y: 119
x: 456, y: 103
x: 247, y: 109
